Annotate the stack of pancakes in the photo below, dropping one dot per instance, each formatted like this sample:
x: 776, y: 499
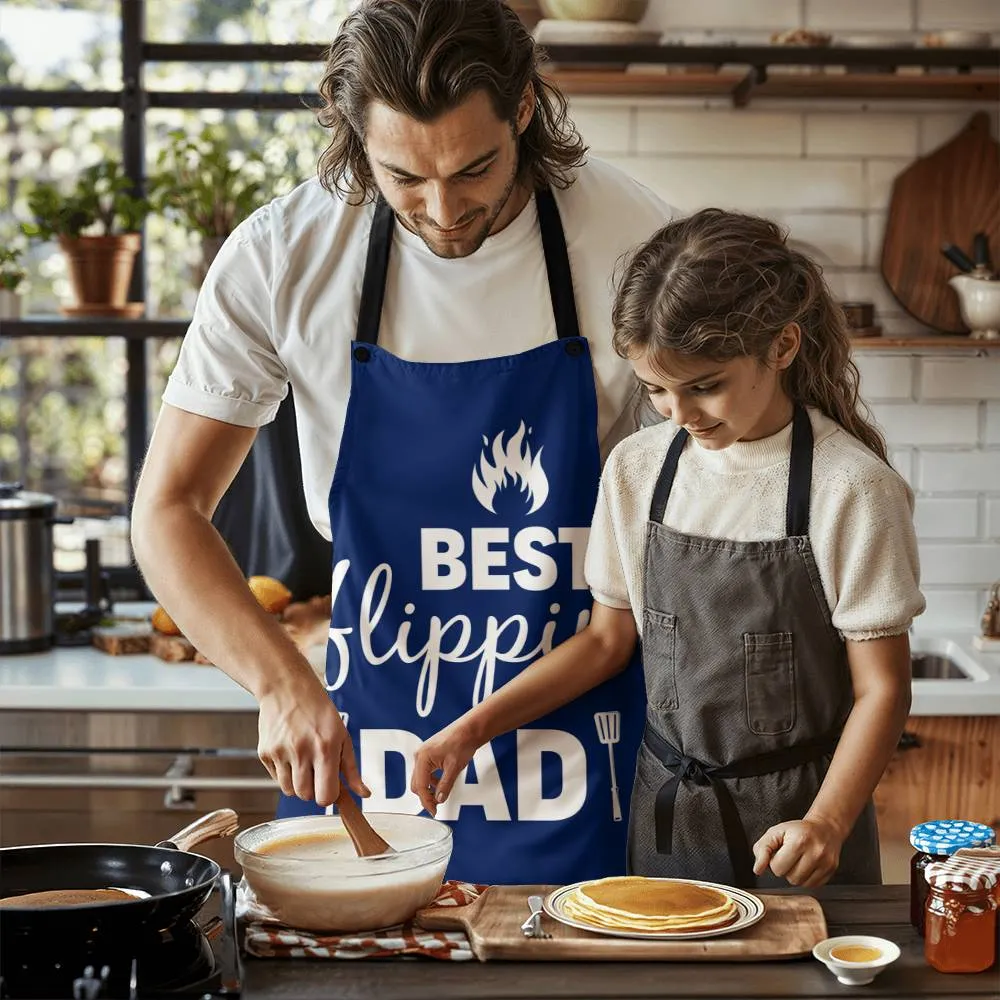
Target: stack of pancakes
x: 650, y: 905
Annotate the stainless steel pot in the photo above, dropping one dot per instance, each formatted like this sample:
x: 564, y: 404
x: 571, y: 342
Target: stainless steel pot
x: 27, y: 575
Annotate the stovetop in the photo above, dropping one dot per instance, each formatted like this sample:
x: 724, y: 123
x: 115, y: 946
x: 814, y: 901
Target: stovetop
x: 198, y: 958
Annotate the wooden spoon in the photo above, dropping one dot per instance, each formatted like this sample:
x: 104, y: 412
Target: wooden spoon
x: 366, y: 841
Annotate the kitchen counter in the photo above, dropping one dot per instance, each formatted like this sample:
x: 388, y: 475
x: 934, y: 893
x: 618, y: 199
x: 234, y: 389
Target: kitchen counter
x: 878, y: 910
x: 85, y: 679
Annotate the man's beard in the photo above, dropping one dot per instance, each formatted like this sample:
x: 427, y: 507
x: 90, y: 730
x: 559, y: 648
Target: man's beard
x: 453, y: 249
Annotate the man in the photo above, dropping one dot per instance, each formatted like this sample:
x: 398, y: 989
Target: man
x: 427, y: 299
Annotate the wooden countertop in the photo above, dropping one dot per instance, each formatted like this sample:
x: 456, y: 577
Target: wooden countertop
x: 879, y: 910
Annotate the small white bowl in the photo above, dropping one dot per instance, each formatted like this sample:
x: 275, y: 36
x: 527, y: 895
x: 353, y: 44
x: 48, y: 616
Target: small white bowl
x: 856, y: 973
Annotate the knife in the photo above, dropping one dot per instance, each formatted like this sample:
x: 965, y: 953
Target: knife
x: 981, y: 251
x: 957, y: 256
x: 532, y: 927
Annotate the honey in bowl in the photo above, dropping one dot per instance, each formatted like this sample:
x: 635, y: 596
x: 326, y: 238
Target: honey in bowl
x: 855, y: 953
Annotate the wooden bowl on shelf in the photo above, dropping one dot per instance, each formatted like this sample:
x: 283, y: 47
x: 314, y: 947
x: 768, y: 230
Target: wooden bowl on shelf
x: 595, y: 10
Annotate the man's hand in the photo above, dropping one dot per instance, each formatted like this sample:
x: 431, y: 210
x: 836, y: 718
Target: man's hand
x: 804, y: 851
x: 447, y: 752
x: 304, y: 744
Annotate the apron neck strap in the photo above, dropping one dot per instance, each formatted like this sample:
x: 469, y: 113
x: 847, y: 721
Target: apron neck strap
x: 800, y: 467
x: 376, y: 269
x: 799, y: 476
x: 556, y: 265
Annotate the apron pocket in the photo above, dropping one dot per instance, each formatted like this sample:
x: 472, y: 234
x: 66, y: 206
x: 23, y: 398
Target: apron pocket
x: 770, y: 682
x: 659, y: 653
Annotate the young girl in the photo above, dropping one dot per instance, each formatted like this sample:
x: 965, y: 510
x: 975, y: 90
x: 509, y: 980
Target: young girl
x: 762, y: 548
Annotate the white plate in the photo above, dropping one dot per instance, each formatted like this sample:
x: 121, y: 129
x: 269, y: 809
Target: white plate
x: 751, y: 910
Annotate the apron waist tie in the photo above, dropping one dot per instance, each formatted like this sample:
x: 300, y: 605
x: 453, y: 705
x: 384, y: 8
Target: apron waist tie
x: 689, y: 770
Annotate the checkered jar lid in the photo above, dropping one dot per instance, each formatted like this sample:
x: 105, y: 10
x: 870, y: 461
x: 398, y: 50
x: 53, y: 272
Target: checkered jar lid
x: 959, y: 872
x: 945, y: 836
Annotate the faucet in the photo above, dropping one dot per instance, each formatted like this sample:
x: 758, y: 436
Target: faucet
x: 991, y: 616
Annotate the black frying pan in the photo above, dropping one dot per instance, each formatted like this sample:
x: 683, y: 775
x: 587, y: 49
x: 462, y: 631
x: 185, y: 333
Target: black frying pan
x: 171, y: 884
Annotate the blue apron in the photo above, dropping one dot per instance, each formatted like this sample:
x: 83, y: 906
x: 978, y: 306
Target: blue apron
x: 460, y: 509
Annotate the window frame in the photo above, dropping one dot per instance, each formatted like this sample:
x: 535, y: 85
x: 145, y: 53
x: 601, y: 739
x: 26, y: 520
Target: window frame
x: 134, y: 100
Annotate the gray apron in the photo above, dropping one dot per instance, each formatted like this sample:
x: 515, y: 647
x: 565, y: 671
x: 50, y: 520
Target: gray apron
x: 748, y: 690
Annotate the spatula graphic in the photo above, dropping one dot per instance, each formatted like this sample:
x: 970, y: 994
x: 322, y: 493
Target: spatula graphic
x: 609, y: 733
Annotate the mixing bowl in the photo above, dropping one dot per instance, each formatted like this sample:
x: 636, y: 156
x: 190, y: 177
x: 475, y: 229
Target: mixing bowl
x: 306, y: 872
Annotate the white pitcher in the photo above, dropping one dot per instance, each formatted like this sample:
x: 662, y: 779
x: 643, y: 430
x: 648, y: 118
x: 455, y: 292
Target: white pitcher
x: 979, y: 302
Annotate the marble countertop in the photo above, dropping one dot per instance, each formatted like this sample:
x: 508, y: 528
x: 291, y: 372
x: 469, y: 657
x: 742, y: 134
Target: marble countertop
x: 86, y: 679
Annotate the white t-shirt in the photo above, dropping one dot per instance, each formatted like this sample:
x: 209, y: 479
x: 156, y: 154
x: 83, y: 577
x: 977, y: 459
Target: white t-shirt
x: 860, y: 519
x: 280, y: 304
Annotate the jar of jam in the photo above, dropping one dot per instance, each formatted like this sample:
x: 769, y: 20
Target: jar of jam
x: 961, y: 918
x: 936, y: 841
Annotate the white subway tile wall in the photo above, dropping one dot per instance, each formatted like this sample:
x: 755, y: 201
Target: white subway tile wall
x: 863, y: 135
x: 973, y: 15
x: 825, y: 170
x: 757, y: 19
x: 960, y: 378
x: 852, y: 16
x: 993, y: 519
x: 724, y: 16
x: 992, y: 423
x: 926, y: 424
x: 886, y: 377
x: 672, y: 133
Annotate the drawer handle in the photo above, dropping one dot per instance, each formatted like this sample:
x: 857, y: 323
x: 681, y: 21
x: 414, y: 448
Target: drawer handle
x: 192, y: 782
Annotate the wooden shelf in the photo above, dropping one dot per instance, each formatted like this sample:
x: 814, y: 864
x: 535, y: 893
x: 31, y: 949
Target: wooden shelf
x: 594, y: 81
x: 886, y: 86
x: 776, y: 71
x: 928, y: 345
x: 143, y: 329
x: 611, y: 82
x: 59, y: 326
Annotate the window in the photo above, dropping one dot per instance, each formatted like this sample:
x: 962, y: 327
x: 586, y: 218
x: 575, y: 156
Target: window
x: 62, y: 419
x: 60, y: 44
x: 48, y: 144
x: 240, y: 21
x: 75, y: 409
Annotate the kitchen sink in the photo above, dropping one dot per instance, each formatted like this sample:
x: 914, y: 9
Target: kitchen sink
x: 934, y: 667
x: 942, y: 660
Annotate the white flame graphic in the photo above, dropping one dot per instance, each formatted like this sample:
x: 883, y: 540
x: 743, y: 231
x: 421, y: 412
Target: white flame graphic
x: 516, y: 462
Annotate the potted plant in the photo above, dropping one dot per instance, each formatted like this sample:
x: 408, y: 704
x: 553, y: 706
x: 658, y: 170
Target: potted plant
x: 203, y: 185
x: 11, y: 276
x: 98, y: 226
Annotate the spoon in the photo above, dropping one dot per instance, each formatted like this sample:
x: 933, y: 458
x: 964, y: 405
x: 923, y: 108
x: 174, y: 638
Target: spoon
x: 366, y: 841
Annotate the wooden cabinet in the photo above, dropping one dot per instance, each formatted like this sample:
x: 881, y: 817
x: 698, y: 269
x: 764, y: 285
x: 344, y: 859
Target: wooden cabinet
x: 953, y: 772
x: 158, y: 771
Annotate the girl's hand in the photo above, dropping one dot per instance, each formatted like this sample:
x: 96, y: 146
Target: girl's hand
x: 447, y: 753
x: 804, y: 851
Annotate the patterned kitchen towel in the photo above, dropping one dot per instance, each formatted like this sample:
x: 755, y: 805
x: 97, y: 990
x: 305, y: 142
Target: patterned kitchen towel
x: 266, y: 937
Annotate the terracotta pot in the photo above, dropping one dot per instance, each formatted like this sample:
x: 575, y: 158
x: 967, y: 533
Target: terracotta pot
x: 100, y: 267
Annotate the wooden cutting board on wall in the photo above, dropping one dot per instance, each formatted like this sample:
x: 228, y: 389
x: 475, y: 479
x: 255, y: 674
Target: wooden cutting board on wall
x: 945, y: 197
x: 790, y: 927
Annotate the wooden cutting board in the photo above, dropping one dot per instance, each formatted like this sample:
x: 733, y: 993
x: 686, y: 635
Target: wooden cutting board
x: 945, y: 197
x: 791, y: 925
